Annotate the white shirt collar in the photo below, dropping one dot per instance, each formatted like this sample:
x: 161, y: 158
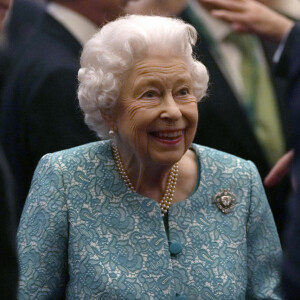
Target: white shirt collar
x: 217, y: 29
x: 79, y: 26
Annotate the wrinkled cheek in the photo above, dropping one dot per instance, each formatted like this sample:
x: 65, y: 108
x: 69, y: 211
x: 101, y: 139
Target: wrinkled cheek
x: 136, y: 137
x: 136, y: 128
x: 192, y: 116
x: 192, y: 113
x: 140, y: 143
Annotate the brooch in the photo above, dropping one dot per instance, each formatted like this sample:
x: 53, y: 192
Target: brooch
x: 225, y: 200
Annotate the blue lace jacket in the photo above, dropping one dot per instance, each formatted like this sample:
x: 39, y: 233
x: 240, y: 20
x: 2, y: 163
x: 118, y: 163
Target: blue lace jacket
x: 84, y: 233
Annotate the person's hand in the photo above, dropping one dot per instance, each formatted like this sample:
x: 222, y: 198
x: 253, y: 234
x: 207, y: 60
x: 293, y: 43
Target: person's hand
x: 252, y: 17
x: 280, y: 169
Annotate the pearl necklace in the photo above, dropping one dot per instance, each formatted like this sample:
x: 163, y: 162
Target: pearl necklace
x: 167, y: 198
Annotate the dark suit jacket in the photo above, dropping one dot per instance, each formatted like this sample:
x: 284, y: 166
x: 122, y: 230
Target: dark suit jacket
x: 8, y: 226
x: 4, y: 67
x: 40, y: 111
x: 24, y: 16
x: 289, y: 66
x: 223, y: 123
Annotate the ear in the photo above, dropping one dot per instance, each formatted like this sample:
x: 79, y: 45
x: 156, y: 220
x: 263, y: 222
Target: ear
x: 108, y: 117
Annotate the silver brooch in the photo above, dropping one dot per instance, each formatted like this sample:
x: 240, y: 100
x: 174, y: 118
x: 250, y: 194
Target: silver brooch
x: 225, y: 200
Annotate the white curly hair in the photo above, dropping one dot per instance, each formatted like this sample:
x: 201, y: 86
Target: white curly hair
x: 109, y: 55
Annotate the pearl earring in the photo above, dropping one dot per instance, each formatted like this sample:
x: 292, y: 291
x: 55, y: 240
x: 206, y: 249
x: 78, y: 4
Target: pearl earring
x: 111, y: 132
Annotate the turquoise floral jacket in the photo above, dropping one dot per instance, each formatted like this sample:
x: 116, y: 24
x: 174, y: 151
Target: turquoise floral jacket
x: 85, y: 234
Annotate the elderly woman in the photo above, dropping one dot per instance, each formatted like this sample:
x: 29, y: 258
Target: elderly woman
x: 146, y: 214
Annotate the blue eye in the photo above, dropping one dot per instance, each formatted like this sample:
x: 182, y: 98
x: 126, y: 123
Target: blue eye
x: 149, y: 94
x: 184, y: 92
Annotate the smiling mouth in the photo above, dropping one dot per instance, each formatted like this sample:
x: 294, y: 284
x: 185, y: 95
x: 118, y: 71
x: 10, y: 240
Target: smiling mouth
x: 168, y: 135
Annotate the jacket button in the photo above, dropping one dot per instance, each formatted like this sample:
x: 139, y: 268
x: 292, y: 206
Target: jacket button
x: 175, y: 248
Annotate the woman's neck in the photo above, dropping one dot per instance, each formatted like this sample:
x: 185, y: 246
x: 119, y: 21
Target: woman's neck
x: 151, y: 180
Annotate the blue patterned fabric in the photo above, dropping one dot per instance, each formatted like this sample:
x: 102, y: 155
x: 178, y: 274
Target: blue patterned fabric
x: 83, y: 231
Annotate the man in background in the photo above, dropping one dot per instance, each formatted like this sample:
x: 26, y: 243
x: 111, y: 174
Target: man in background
x: 251, y: 16
x: 40, y: 112
x: 232, y: 118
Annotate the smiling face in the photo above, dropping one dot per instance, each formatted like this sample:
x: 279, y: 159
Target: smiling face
x: 156, y: 114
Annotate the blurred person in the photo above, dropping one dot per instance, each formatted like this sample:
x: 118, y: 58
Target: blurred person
x: 43, y: 78
x: 232, y: 118
x: 289, y: 8
x: 250, y: 16
x: 156, y: 7
x: 8, y: 222
x: 23, y: 19
x: 146, y: 214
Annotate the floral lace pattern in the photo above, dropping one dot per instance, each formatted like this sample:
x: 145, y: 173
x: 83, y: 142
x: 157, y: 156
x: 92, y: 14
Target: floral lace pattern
x: 84, y: 233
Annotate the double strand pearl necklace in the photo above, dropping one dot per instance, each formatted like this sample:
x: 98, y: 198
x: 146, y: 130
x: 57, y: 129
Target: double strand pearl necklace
x: 167, y: 198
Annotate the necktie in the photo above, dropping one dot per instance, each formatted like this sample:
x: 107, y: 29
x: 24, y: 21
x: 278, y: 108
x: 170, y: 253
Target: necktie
x: 258, y: 97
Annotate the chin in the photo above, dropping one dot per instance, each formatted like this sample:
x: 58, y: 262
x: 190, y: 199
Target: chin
x: 168, y: 157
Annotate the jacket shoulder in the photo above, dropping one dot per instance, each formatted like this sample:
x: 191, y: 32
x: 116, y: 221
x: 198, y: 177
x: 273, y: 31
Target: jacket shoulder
x: 207, y: 153
x: 85, y: 153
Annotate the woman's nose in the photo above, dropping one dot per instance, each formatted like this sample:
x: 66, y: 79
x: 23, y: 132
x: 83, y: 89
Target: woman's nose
x: 170, y: 109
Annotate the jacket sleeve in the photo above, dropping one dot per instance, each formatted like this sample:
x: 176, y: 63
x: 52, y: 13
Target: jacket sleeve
x: 263, y: 245
x: 43, y: 234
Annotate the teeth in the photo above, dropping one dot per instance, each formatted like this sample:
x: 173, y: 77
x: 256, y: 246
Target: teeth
x: 173, y: 134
